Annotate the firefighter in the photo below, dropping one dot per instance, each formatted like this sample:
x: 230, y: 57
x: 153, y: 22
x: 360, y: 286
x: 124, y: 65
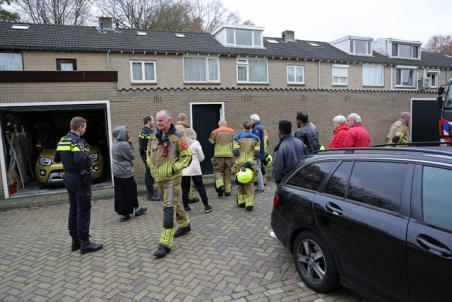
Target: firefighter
x: 168, y: 153
x: 73, y: 151
x: 222, y: 138
x: 399, y: 131
x: 245, y: 149
x: 143, y: 138
x: 181, y: 126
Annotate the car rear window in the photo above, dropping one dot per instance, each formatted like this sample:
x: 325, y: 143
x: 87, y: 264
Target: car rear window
x: 378, y: 184
x: 311, y: 176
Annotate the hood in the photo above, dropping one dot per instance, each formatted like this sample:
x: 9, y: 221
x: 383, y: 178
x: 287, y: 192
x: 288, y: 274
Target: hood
x: 120, y: 133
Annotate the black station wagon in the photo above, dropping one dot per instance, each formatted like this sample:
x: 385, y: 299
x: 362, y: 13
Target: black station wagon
x: 376, y: 220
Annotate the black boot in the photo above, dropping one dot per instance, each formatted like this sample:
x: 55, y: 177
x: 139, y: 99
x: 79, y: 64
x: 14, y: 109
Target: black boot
x: 88, y: 246
x: 153, y: 197
x: 249, y: 208
x: 220, y: 191
x: 182, y: 231
x: 75, y: 244
x: 161, y: 251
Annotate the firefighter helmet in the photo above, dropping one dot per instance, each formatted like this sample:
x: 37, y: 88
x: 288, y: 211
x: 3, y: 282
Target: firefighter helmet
x: 245, y: 175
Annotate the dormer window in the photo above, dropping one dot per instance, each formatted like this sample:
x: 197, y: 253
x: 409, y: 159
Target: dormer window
x: 405, y: 51
x: 360, y: 47
x: 240, y: 36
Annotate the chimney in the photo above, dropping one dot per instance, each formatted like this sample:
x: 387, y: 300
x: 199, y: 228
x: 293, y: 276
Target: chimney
x: 288, y: 35
x: 105, y: 23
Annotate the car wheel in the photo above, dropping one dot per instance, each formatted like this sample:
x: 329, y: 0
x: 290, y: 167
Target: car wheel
x: 314, y: 263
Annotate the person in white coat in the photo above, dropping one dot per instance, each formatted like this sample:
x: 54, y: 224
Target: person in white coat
x: 194, y: 172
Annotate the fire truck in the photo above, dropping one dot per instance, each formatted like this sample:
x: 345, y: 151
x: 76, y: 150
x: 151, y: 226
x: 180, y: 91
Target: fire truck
x: 445, y: 106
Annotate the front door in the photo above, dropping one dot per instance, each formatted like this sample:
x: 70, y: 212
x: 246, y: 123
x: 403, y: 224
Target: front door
x: 205, y: 118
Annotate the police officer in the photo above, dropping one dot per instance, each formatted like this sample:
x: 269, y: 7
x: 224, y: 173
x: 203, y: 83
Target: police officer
x: 246, y: 150
x: 73, y: 151
x: 222, y: 160
x: 168, y: 153
x: 143, y: 138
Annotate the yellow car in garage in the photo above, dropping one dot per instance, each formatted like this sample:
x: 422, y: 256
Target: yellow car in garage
x: 48, y: 172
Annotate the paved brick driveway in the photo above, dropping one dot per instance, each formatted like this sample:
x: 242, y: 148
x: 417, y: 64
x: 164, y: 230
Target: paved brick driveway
x: 229, y: 256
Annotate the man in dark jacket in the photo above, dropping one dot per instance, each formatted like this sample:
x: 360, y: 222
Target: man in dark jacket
x: 307, y: 133
x: 258, y: 129
x: 143, y: 137
x: 287, y: 153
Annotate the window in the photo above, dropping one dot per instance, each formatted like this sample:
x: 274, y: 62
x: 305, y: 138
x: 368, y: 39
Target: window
x: 311, y: 176
x: 360, y: 47
x: 373, y: 75
x: 252, y: 71
x: 295, y: 74
x: 201, y: 69
x: 337, y: 184
x: 405, y: 51
x: 340, y: 75
x: 377, y: 184
x: 11, y: 61
x: 433, y: 76
x: 436, y: 197
x: 143, y: 72
x: 243, y: 37
x: 66, y: 64
x: 404, y: 77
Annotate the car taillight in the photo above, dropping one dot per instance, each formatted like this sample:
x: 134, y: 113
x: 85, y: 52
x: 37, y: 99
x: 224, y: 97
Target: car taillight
x: 275, y: 200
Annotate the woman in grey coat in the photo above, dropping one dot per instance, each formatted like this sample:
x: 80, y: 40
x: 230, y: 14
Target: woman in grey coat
x: 126, y: 200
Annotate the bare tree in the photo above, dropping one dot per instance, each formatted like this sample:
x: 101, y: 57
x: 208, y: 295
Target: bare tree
x: 70, y: 12
x: 211, y: 13
x: 439, y: 44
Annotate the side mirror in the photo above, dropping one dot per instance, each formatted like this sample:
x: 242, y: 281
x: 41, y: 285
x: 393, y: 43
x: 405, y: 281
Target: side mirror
x: 441, y: 90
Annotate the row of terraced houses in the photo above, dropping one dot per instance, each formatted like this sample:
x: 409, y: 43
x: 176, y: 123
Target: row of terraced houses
x: 114, y: 76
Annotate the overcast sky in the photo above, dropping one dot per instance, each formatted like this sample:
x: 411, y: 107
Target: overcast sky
x: 327, y: 20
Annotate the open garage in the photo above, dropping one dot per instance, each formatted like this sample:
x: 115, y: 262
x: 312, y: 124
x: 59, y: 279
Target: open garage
x: 29, y: 135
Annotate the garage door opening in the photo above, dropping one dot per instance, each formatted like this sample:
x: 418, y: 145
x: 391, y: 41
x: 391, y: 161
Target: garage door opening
x: 29, y: 136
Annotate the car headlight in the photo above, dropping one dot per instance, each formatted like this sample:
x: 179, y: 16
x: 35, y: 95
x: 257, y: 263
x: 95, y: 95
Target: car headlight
x: 94, y: 156
x: 45, y: 161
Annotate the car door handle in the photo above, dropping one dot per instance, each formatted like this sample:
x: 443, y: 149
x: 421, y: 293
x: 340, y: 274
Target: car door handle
x: 426, y: 243
x: 333, y: 209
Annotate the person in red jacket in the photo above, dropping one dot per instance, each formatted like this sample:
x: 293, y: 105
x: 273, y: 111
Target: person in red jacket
x: 357, y: 135
x: 340, y: 132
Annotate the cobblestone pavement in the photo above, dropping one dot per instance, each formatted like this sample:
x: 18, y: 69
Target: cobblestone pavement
x: 228, y: 256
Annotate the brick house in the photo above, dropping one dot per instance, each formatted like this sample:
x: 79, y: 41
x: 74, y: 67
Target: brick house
x: 114, y: 76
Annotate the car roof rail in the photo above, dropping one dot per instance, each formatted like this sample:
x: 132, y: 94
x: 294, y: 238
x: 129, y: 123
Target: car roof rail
x: 380, y: 149
x: 432, y: 143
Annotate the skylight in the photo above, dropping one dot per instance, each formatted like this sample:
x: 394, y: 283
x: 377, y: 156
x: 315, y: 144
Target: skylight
x: 273, y: 41
x: 313, y: 44
x: 142, y: 33
x: 20, y: 26
x: 180, y: 35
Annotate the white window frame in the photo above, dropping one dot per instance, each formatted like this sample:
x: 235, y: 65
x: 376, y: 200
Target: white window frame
x: 332, y: 75
x: 252, y: 38
x: 411, y: 51
x: 369, y: 48
x: 373, y: 85
x: 206, y: 61
x: 436, y: 72
x: 296, y: 67
x: 143, y: 73
x: 248, y: 71
x: 405, y: 68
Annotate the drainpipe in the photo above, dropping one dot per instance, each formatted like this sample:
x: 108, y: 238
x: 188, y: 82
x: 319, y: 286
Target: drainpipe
x: 318, y: 74
x: 108, y: 60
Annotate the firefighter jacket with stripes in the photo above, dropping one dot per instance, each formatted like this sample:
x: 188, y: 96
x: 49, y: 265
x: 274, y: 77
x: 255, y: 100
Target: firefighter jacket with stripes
x: 222, y: 138
x: 168, y: 154
x: 73, y: 151
x: 246, y: 145
x: 398, y: 133
x: 143, y: 139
